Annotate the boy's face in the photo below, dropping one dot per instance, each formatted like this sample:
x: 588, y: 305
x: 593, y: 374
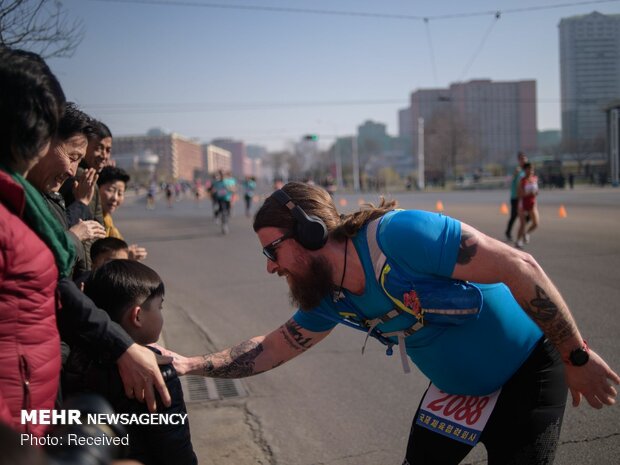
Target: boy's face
x: 105, y: 257
x: 151, y: 320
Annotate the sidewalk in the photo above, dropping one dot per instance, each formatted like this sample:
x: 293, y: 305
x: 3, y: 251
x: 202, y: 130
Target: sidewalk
x: 223, y: 431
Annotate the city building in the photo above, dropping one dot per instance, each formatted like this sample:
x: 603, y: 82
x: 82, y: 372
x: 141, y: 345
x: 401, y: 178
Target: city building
x: 405, y: 122
x: 237, y: 150
x: 257, y: 154
x: 613, y: 136
x: 493, y: 119
x: 549, y: 138
x: 141, y: 166
x: 589, y: 73
x: 179, y: 157
x: 215, y: 158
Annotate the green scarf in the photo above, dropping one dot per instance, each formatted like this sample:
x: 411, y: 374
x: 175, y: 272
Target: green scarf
x: 38, y: 216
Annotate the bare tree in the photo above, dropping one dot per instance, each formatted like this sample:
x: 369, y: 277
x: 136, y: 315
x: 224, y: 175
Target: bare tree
x: 449, y: 144
x: 40, y: 26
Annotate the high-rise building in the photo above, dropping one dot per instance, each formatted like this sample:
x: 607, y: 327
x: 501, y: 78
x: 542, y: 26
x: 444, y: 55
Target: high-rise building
x: 404, y: 122
x: 499, y: 118
x: 179, y: 157
x: 589, y: 73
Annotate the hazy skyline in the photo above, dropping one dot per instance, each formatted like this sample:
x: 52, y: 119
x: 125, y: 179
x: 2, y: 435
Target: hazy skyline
x: 268, y: 71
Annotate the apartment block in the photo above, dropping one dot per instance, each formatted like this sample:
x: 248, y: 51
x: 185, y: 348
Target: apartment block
x: 498, y: 117
x: 589, y: 73
x: 179, y: 157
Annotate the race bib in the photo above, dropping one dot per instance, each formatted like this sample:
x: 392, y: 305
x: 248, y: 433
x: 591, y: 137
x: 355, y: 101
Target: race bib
x: 461, y: 418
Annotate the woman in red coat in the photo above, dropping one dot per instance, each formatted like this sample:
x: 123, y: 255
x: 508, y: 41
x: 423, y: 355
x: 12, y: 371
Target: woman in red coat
x: 31, y: 103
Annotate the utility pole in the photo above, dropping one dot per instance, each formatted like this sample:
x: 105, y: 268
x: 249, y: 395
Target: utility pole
x: 356, y: 163
x: 614, y: 145
x: 421, y: 153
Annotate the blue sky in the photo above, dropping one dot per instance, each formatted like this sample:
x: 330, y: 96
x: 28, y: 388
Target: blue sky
x: 268, y: 77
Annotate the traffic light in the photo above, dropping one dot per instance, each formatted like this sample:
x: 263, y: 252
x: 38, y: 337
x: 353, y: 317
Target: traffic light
x: 314, y: 137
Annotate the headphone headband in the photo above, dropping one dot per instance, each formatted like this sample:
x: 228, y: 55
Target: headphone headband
x: 310, y: 230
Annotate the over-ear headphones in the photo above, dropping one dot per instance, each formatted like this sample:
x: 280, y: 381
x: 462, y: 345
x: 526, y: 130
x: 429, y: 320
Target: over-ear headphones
x: 310, y: 230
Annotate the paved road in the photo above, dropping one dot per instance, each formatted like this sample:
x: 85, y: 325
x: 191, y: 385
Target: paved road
x: 333, y: 405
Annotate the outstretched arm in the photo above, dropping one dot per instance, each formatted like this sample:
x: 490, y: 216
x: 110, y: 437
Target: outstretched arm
x: 251, y: 357
x: 485, y: 260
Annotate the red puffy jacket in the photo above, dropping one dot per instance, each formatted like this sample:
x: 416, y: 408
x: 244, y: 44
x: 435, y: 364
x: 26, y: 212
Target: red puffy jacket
x: 29, y: 341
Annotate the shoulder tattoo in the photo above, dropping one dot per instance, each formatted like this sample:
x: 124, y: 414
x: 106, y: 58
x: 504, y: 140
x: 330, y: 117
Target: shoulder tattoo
x: 467, y: 248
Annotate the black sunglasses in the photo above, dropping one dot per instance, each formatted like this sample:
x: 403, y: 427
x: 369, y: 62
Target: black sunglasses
x: 270, y: 251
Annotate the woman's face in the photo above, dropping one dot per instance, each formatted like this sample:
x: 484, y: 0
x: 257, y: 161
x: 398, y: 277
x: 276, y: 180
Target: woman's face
x: 112, y: 196
x: 59, y: 164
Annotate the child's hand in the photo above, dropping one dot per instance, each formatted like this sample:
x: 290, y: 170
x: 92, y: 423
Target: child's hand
x: 136, y: 252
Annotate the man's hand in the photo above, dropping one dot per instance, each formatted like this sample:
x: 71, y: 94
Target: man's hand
x: 88, y: 230
x: 136, y: 253
x: 592, y: 381
x: 84, y: 186
x: 179, y: 362
x: 139, y: 372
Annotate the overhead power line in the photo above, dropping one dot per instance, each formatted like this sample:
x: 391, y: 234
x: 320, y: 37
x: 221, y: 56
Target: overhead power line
x: 432, y: 51
x: 362, y: 14
x: 207, y: 107
x: 479, y: 49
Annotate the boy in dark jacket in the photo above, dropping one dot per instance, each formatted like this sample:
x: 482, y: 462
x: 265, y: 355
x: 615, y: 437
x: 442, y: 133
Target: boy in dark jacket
x: 132, y: 294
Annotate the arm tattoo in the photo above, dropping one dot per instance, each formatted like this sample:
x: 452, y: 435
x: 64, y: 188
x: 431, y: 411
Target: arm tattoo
x: 237, y: 362
x: 467, y: 251
x: 292, y: 335
x: 541, y: 308
x: 549, y: 317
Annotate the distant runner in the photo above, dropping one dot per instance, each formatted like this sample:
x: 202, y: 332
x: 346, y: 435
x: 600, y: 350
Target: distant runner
x: 224, y: 188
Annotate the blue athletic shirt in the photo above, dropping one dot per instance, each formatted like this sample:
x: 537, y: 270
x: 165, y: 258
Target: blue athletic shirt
x: 224, y: 189
x: 473, y: 358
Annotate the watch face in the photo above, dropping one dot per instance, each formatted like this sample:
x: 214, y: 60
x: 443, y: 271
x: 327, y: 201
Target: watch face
x: 579, y: 357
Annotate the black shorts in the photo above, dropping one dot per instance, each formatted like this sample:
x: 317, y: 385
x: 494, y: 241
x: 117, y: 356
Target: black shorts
x: 524, y: 427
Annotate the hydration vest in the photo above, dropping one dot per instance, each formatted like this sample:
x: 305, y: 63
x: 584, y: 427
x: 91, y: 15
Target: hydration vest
x: 433, y: 301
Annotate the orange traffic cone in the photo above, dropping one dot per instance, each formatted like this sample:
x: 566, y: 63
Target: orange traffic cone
x: 562, y: 212
x: 503, y: 209
x: 343, y: 202
x: 439, y: 206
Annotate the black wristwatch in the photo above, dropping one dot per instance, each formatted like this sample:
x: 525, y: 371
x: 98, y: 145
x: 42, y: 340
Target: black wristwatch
x: 580, y: 356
